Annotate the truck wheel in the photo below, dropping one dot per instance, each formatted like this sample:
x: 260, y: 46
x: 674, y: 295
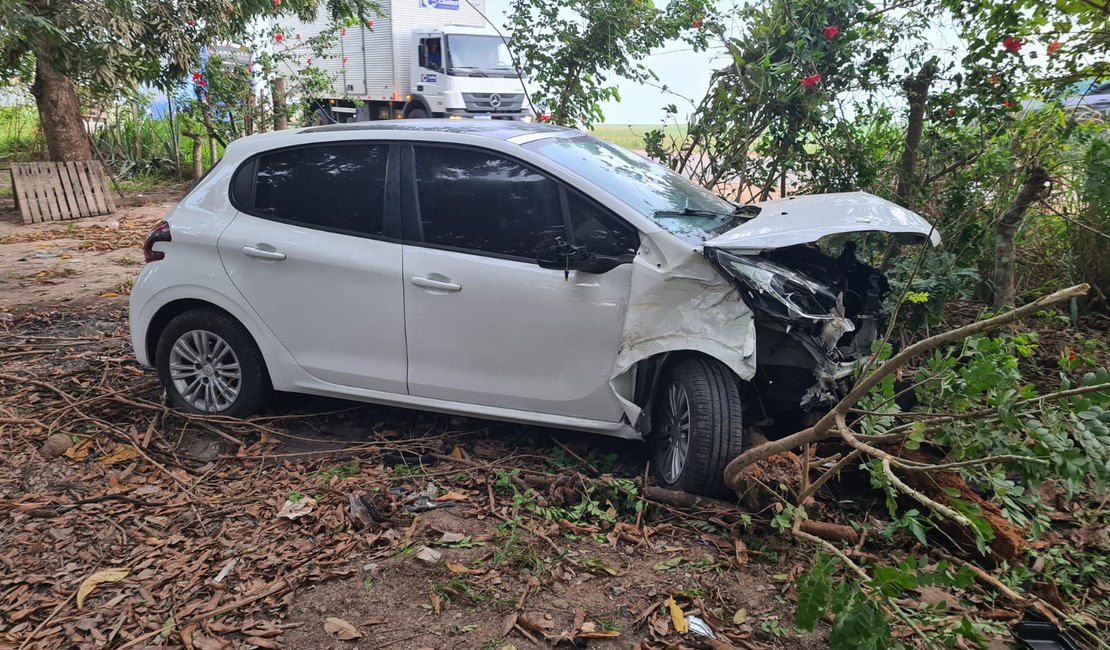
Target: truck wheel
x: 208, y: 363
x: 417, y: 114
x: 697, y: 427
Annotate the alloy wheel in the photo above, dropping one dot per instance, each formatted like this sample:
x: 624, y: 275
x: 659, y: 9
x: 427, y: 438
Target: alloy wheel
x: 675, y: 431
x: 205, y: 371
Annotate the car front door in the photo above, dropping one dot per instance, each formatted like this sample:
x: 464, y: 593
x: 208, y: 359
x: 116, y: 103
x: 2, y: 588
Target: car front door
x: 311, y: 251
x: 484, y: 323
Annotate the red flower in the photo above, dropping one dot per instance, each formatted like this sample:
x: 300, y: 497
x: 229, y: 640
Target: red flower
x: 196, y: 76
x: 343, y: 32
x: 951, y: 112
x: 1052, y: 47
x: 370, y: 24
x: 1071, y: 354
x: 1006, y: 103
x: 310, y: 60
x: 277, y: 3
x: 697, y: 23
x: 545, y: 118
x: 811, y: 80
x: 344, y: 60
x: 1013, y: 44
x: 831, y: 31
x: 995, y: 80
x: 202, y: 83
x: 192, y: 23
x: 278, y: 38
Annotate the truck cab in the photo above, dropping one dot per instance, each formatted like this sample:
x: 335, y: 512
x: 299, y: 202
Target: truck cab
x: 464, y: 72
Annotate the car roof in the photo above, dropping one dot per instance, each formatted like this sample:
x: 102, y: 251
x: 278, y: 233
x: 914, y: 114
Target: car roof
x: 496, y: 129
x: 442, y: 130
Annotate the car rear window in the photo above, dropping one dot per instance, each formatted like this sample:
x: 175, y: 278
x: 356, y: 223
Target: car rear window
x: 333, y: 187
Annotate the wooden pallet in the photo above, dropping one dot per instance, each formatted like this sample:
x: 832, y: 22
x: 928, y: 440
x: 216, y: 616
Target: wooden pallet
x: 56, y: 191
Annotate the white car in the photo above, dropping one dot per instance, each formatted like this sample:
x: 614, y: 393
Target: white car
x: 519, y: 272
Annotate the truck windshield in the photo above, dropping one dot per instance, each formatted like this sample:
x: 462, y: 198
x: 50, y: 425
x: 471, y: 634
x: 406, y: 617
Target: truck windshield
x: 671, y: 200
x: 472, y: 52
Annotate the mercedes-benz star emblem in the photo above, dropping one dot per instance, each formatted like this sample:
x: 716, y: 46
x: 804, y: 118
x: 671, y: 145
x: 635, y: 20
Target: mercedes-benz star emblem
x: 495, y: 100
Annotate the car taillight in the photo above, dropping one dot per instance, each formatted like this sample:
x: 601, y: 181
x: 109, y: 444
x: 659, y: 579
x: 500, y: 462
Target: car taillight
x: 160, y: 232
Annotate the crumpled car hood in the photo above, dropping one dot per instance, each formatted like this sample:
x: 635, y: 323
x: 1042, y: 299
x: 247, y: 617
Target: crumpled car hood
x: 805, y: 219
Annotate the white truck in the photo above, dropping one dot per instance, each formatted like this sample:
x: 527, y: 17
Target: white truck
x: 419, y: 58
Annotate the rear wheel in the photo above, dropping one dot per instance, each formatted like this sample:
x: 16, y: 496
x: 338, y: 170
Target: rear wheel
x: 417, y: 114
x: 208, y: 363
x: 697, y: 427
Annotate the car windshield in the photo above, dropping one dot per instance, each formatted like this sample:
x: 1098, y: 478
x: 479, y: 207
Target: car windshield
x: 670, y: 199
x: 467, y: 52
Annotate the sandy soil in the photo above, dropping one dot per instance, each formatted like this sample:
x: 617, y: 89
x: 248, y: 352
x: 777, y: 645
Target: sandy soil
x: 95, y: 257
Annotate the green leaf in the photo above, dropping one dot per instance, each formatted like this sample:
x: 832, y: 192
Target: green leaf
x: 814, y: 591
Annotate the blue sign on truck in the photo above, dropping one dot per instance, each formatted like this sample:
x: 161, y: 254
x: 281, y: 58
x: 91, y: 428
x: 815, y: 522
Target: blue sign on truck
x: 453, y: 5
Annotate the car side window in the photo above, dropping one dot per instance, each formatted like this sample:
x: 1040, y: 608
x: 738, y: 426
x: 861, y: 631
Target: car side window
x: 479, y: 201
x: 334, y: 187
x: 600, y: 231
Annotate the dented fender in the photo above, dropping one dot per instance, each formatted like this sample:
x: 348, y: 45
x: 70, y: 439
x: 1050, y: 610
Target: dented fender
x: 680, y: 302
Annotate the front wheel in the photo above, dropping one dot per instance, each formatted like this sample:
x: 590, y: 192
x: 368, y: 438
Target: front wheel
x: 208, y: 363
x: 697, y: 427
x: 417, y: 114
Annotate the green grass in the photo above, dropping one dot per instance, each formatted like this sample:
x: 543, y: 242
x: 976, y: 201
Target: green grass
x: 631, y: 136
x: 20, y: 138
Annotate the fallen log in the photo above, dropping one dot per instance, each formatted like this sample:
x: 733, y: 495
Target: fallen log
x: 830, y: 532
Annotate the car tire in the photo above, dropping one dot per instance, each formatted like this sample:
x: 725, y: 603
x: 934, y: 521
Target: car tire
x: 689, y: 453
x: 228, y: 376
x: 417, y: 114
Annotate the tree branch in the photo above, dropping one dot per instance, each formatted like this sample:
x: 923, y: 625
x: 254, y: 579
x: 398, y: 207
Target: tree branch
x: 822, y: 428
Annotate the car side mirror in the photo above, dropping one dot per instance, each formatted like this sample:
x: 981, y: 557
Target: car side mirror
x: 560, y: 255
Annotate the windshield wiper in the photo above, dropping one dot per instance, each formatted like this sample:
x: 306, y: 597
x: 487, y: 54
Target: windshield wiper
x: 691, y: 212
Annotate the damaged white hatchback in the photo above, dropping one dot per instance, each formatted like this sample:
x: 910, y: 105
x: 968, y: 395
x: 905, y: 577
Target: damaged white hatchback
x: 510, y: 271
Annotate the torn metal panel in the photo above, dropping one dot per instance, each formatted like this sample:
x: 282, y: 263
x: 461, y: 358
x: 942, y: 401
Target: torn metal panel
x: 678, y: 301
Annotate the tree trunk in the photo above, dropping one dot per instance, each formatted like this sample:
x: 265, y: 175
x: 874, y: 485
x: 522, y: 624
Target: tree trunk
x: 59, y: 110
x: 198, y: 165
x: 1032, y: 189
x: 917, y: 94
x: 281, y: 120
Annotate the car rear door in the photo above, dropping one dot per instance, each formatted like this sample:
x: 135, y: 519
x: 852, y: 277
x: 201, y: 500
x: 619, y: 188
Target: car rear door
x: 315, y: 251
x: 484, y: 323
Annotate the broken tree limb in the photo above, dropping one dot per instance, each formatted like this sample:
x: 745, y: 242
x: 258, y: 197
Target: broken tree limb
x: 824, y: 428
x: 830, y: 532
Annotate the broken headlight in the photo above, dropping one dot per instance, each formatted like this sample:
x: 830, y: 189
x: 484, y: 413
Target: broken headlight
x: 779, y: 291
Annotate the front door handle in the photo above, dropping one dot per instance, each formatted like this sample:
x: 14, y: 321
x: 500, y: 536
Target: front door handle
x: 438, y: 285
x: 267, y: 253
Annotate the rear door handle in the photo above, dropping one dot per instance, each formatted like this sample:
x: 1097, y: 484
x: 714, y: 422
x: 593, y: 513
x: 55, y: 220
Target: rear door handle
x: 440, y: 285
x: 263, y: 252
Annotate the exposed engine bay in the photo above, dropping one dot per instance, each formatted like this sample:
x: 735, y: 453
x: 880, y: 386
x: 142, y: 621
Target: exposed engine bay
x: 815, y: 316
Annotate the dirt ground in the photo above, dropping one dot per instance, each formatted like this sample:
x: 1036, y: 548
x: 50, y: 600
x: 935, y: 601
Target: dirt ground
x: 82, y: 258
x: 536, y: 547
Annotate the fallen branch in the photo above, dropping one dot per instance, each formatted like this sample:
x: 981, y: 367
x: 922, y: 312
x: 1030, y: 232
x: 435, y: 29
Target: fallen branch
x: 824, y: 428
x: 829, y: 531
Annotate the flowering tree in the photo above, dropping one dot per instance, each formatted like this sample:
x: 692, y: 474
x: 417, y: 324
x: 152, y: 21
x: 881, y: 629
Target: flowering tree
x: 774, y: 89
